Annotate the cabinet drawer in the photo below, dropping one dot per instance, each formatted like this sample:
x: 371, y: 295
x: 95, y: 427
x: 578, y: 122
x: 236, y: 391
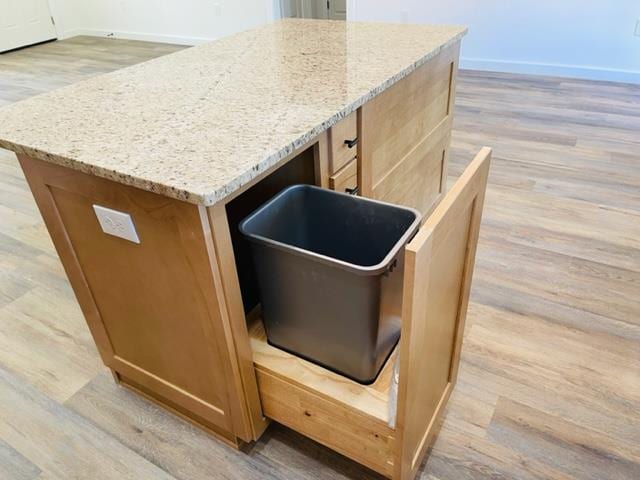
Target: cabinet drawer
x: 346, y: 180
x: 362, y: 421
x: 340, y: 151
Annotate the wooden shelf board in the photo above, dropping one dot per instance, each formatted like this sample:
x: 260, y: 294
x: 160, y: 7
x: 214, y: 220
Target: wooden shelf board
x: 371, y: 400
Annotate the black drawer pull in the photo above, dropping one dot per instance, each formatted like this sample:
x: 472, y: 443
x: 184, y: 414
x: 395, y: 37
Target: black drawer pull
x: 352, y: 191
x: 351, y: 143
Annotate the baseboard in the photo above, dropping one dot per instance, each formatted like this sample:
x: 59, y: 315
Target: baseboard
x: 556, y: 70
x: 146, y: 37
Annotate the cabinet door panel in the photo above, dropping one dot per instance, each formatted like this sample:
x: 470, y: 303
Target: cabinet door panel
x: 153, y: 307
x: 404, y: 135
x: 439, y: 264
x: 417, y: 181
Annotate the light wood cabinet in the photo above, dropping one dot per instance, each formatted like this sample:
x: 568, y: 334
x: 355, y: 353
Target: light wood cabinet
x: 176, y: 317
x: 343, y: 142
x: 404, y: 135
x: 155, y: 309
x: 346, y: 180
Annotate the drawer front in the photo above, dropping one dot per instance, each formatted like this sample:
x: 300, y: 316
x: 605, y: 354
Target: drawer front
x: 346, y: 416
x: 346, y: 180
x: 340, y: 152
x: 328, y: 422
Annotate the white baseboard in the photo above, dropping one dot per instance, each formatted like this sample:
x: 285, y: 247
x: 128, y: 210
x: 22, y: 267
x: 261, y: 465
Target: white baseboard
x: 556, y: 70
x: 146, y: 37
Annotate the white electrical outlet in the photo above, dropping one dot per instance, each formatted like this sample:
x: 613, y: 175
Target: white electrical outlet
x: 637, y: 32
x: 118, y: 224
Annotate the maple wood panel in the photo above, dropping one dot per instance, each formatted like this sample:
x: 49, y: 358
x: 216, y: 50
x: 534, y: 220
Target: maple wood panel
x: 153, y: 308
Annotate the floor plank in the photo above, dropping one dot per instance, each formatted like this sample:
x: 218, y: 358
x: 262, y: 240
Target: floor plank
x: 45, y: 341
x: 300, y: 457
x: 177, y: 447
x: 567, y: 447
x: 14, y: 466
x: 59, y: 441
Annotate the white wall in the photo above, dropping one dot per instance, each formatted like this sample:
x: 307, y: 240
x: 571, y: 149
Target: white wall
x: 580, y: 38
x: 175, y: 21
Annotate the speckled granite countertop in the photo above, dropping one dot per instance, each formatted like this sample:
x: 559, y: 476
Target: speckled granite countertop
x: 200, y: 123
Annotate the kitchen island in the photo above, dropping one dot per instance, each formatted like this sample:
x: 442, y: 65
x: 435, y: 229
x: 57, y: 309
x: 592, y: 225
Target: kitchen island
x: 179, y: 149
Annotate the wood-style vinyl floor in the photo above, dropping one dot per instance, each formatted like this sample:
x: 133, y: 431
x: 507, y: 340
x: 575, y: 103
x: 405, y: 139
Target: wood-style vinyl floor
x: 549, y: 385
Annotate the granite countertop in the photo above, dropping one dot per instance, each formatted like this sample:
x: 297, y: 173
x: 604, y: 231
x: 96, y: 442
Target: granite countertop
x: 198, y: 124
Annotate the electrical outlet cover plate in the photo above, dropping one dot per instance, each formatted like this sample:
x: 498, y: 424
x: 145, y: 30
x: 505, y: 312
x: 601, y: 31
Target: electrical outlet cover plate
x: 118, y: 224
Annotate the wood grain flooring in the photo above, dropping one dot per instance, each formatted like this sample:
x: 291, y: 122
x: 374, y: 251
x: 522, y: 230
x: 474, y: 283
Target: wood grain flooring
x: 549, y: 385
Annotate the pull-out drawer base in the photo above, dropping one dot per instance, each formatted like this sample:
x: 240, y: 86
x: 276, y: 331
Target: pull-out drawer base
x: 344, y: 415
x: 334, y: 424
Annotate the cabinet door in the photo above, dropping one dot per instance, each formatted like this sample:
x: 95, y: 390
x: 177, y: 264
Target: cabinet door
x: 438, y: 268
x: 154, y: 308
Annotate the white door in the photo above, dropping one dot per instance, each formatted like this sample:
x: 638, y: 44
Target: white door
x: 337, y: 9
x: 333, y: 9
x: 24, y: 22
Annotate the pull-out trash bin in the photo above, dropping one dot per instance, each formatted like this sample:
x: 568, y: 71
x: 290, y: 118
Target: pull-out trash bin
x: 329, y: 268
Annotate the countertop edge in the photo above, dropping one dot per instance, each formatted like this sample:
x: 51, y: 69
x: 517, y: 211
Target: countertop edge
x: 208, y: 199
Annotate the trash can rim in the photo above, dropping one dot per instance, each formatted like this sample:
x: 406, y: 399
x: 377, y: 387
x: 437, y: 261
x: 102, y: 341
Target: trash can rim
x: 375, y: 269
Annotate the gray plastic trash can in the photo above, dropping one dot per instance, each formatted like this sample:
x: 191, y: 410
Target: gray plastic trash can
x: 329, y: 268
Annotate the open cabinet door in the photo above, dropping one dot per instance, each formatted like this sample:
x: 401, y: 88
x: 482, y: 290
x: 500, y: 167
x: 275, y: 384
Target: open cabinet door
x: 439, y: 264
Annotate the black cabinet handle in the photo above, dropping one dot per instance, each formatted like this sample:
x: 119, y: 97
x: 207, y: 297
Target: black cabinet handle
x: 351, y: 143
x: 352, y: 191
